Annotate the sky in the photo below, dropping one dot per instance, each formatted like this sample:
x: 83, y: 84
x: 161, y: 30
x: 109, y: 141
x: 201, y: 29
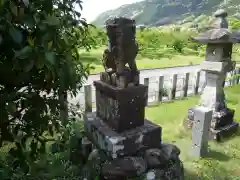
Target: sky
x: 92, y: 8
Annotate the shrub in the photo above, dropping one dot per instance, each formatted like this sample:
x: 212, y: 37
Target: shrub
x: 39, y: 65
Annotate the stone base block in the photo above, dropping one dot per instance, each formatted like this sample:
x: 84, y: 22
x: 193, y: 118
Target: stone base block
x: 223, y: 118
x: 224, y: 132
x: 125, y: 143
x: 121, y: 108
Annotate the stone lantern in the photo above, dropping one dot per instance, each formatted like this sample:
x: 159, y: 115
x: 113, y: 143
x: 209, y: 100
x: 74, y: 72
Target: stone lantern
x: 218, y: 62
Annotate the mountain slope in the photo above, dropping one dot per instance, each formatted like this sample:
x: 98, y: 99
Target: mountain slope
x: 162, y: 12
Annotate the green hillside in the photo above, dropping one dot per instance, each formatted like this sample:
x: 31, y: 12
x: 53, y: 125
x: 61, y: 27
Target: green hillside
x: 164, y: 12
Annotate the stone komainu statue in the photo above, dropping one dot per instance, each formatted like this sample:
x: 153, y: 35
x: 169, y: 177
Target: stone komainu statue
x: 122, y: 50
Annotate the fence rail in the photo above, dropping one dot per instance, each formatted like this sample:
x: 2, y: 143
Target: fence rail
x: 162, y: 88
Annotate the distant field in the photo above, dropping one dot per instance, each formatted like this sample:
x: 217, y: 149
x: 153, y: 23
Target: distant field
x: 169, y: 60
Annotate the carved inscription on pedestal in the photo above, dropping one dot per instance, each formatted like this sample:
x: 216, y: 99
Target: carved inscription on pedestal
x: 107, y: 108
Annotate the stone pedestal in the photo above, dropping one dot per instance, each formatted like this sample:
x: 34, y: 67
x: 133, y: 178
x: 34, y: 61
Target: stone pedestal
x: 131, y: 144
x: 121, y: 108
x: 126, y: 143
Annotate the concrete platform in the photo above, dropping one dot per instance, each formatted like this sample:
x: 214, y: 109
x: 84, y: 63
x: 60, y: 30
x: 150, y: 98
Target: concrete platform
x: 125, y: 143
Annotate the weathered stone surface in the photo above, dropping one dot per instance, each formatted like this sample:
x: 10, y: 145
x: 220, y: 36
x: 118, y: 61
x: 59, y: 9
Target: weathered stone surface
x: 171, y: 151
x: 224, y: 132
x: 220, y: 21
x: 213, y: 96
x: 222, y: 118
x: 125, y: 143
x: 219, y: 53
x: 222, y: 124
x: 121, y: 109
x: 160, y: 157
x: 200, y: 131
x: 213, y: 66
x: 122, y: 50
x: 110, y: 77
x: 124, y: 168
x: 162, y: 163
x: 154, y: 158
x: 173, y: 171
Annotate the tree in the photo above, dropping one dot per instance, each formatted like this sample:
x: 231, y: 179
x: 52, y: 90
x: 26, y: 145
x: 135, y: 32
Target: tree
x: 234, y: 23
x: 39, y: 62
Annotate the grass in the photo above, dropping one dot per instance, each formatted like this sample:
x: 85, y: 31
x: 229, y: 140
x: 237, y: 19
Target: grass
x: 223, y: 161
x: 171, y: 60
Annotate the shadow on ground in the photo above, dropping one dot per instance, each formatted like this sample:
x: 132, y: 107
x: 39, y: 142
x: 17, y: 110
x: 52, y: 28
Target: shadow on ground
x: 216, y: 155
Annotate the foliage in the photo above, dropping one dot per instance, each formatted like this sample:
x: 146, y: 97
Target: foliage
x: 39, y: 63
x: 156, y: 42
x: 234, y: 23
x: 158, y: 48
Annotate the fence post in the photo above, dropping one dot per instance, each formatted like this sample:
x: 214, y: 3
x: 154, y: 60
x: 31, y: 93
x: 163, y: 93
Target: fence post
x: 235, y: 76
x: 196, y: 84
x: 174, y: 87
x: 234, y: 79
x: 185, y: 86
x: 146, y: 83
x: 88, y: 98
x: 160, y: 88
x: 230, y: 79
x: 238, y: 75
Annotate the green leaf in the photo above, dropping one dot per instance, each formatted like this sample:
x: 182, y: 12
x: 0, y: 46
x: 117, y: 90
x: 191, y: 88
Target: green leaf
x: 51, y: 57
x: 23, y: 53
x: 50, y: 130
x: 29, y: 66
x: 24, y: 140
x: 13, y: 8
x: 39, y: 63
x: 11, y: 107
x: 13, y: 152
x: 33, y: 146
x: 50, y: 44
x: 16, y: 35
x: 52, y: 21
x: 24, y: 166
x: 65, y: 39
x: 1, y: 39
x: 42, y: 148
x: 84, y: 23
